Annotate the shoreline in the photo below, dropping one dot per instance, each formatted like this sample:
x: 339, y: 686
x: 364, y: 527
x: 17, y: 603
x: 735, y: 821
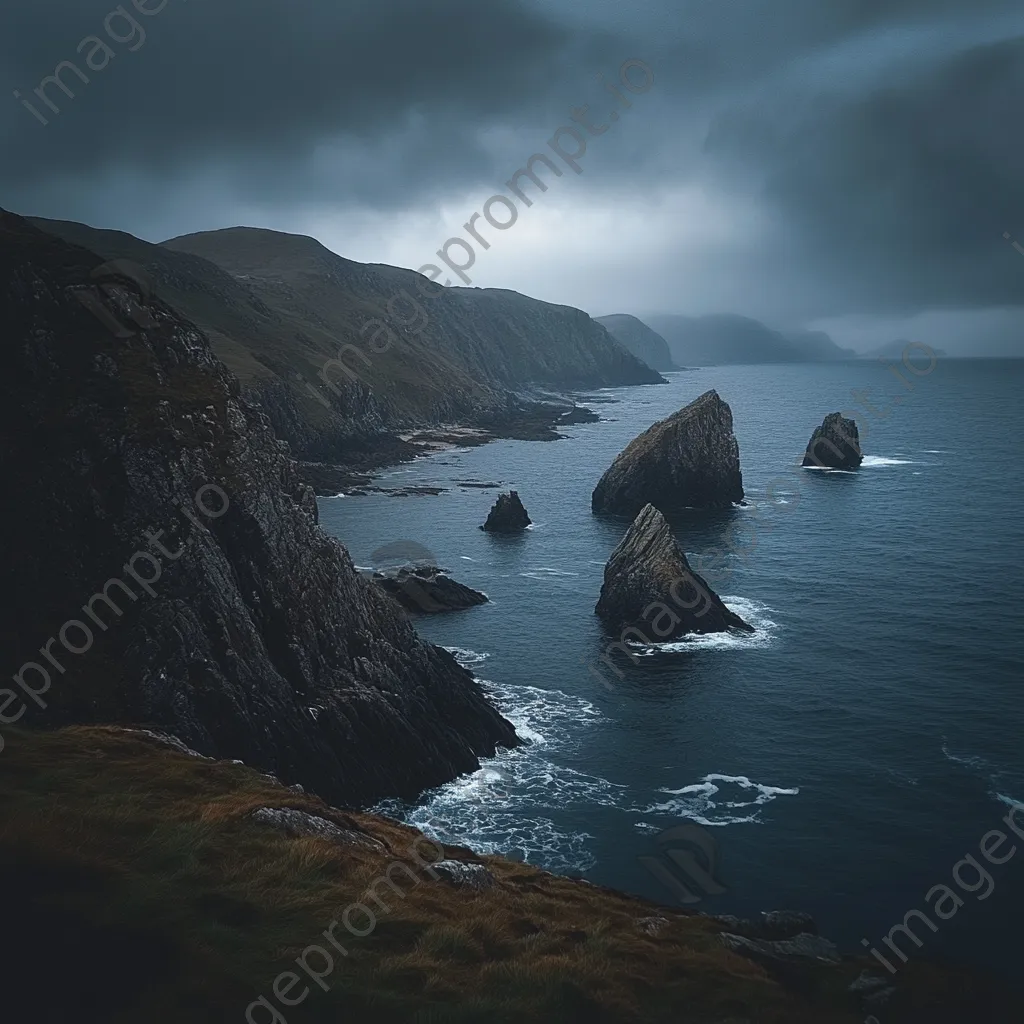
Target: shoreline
x: 355, y: 469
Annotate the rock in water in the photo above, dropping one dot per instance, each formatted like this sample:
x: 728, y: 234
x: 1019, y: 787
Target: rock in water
x: 507, y: 515
x: 835, y: 445
x: 690, y: 460
x: 426, y: 590
x: 650, y: 590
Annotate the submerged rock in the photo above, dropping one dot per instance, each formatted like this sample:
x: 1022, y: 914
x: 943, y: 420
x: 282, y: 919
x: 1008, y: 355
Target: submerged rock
x: 650, y: 589
x: 690, y: 460
x: 835, y: 444
x: 508, y: 515
x: 426, y: 589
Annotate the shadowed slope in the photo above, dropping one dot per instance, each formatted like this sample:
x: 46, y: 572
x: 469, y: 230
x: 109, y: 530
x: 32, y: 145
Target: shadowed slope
x: 255, y: 637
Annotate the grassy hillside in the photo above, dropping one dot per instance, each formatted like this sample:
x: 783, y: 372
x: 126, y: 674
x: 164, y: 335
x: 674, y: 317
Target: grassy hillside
x: 140, y: 888
x: 280, y: 308
x: 636, y: 337
x: 724, y: 338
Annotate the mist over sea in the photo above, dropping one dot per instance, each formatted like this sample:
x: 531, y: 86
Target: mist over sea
x: 849, y: 752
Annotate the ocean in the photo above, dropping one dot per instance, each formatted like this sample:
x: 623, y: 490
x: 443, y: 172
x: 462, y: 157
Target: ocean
x: 848, y: 754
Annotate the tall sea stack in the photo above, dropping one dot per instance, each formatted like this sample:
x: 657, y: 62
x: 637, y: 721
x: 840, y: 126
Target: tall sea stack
x: 690, y: 460
x: 649, y: 587
x: 835, y: 445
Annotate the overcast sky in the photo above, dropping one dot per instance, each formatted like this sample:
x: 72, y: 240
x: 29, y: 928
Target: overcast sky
x: 851, y: 164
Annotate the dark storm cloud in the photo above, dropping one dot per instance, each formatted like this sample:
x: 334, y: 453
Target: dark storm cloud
x: 877, y: 140
x: 899, y: 186
x: 266, y: 80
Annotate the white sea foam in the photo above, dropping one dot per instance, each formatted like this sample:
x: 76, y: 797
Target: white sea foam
x: 752, y: 612
x: 547, y: 574
x: 996, y: 777
x: 501, y: 807
x: 876, y: 461
x: 467, y: 658
x: 707, y: 802
x: 972, y: 761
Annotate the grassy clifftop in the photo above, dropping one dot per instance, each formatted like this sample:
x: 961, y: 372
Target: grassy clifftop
x: 139, y: 887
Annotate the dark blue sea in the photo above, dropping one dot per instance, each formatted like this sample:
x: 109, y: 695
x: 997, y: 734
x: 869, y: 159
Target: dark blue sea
x: 848, y: 754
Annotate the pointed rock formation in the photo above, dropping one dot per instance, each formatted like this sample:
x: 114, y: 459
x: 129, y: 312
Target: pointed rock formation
x: 649, y: 587
x: 835, y: 445
x: 690, y: 460
x: 507, y: 515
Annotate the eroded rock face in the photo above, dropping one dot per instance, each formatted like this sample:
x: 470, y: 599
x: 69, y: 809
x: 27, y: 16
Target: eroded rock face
x: 690, y: 460
x: 835, y: 444
x: 255, y: 639
x: 650, y: 589
x: 507, y: 515
x: 426, y: 590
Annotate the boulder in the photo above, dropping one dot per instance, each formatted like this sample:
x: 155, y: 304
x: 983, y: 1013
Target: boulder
x: 426, y: 590
x: 690, y: 460
x: 464, y: 875
x: 300, y: 825
x: 835, y: 444
x: 649, y: 587
x: 507, y: 516
x: 800, y: 948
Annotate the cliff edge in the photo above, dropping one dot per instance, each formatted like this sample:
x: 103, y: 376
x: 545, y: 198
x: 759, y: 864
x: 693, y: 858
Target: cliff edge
x: 153, y: 513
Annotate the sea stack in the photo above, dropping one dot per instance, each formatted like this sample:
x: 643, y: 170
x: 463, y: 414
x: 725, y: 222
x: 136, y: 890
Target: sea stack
x: 835, y: 445
x: 507, y: 515
x: 650, y: 589
x: 690, y: 460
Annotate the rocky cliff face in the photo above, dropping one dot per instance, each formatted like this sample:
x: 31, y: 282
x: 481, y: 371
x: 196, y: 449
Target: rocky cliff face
x: 150, y: 509
x: 650, y: 587
x: 690, y: 460
x: 636, y: 337
x: 835, y: 444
